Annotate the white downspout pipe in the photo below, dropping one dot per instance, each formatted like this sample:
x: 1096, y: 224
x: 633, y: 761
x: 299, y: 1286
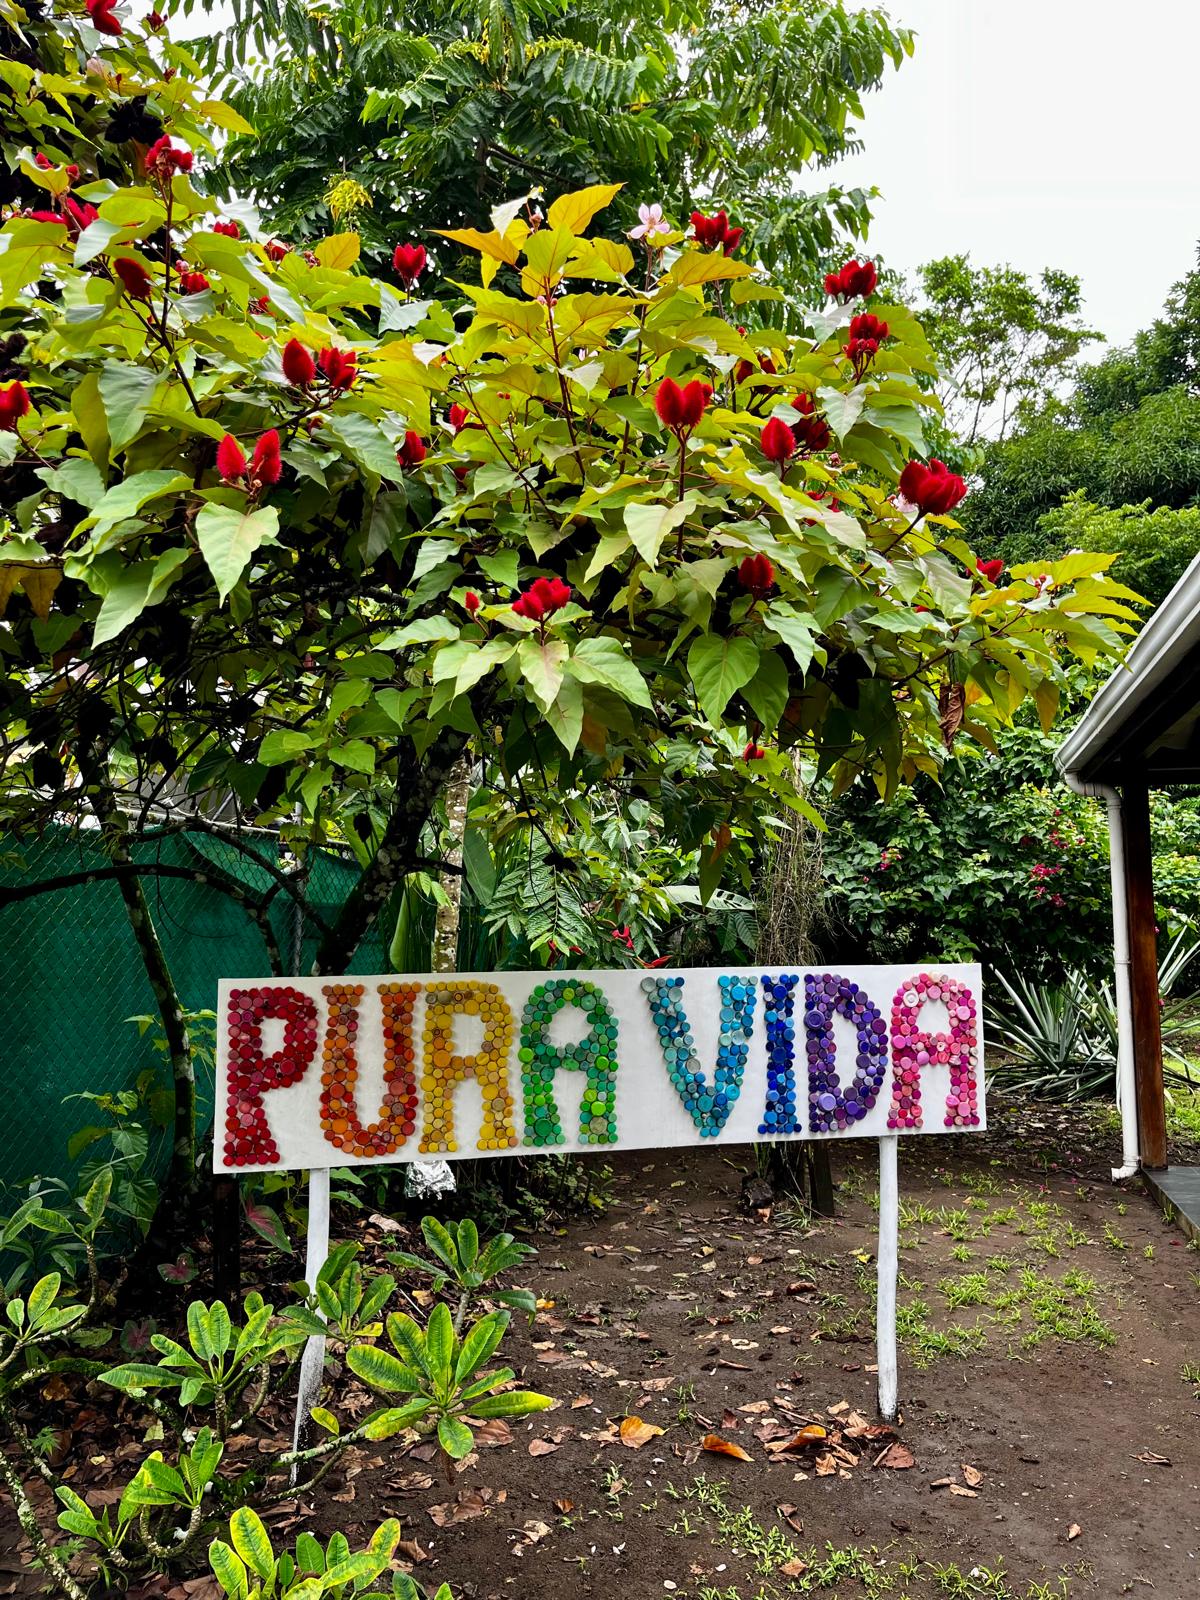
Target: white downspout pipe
x: 1126, y: 1083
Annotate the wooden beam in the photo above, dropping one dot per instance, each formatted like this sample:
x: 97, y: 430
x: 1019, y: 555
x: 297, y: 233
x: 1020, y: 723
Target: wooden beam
x: 1143, y: 950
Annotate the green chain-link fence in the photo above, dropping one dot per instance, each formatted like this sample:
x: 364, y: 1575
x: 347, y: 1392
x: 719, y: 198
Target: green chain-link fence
x: 72, y: 975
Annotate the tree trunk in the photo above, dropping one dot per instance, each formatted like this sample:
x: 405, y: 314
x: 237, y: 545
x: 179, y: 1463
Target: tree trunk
x: 445, y: 933
x: 114, y: 832
x: 398, y: 853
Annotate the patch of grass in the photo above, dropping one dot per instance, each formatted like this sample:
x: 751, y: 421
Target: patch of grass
x: 1113, y: 1239
x: 1190, y: 1373
x: 960, y: 1253
x: 969, y: 1289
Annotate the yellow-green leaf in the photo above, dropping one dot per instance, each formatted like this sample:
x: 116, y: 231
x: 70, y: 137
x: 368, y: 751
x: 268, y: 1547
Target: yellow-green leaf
x: 575, y: 211
x: 340, y: 251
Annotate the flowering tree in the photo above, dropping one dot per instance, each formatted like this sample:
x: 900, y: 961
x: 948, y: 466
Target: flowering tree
x: 276, y: 530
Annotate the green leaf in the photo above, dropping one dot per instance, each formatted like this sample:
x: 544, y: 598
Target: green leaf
x: 132, y: 589
x: 126, y: 393
x: 440, y: 1343
x: 767, y: 691
x: 379, y: 1369
x: 480, y: 1344
x: 565, y: 716
x: 542, y: 663
x: 649, y: 525
x: 365, y: 442
x: 282, y: 745
x: 132, y: 1377
x: 228, y: 537
x: 454, y: 1437
x: 251, y: 1542
x: 842, y: 411
x: 602, y: 659
x: 514, y: 1403
x: 230, y: 1569
x: 719, y: 667
x: 326, y: 1419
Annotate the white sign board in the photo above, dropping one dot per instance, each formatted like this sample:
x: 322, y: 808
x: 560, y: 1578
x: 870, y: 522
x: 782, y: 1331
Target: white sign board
x: 321, y: 1072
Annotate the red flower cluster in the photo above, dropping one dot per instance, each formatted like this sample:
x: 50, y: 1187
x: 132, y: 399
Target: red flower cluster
x: 43, y: 161
x: 230, y: 230
x: 339, y: 366
x: 459, y: 418
x: 777, y: 442
x: 192, y: 282
x: 746, y: 370
x: 811, y: 432
x: 867, y: 333
x: 14, y: 404
x: 101, y: 15
x: 167, y: 156
x: 154, y: 22
x: 408, y: 263
x: 757, y: 576
x: 542, y: 599
x: 681, y: 409
x: 753, y: 752
x: 623, y: 936
x: 299, y: 368
x: 134, y: 278
x: 714, y: 233
x: 258, y: 305
x: 265, y: 466
x: 854, y: 281
x: 933, y: 489
x: 990, y: 570
x: 472, y: 602
x: 412, y: 452
x: 275, y: 250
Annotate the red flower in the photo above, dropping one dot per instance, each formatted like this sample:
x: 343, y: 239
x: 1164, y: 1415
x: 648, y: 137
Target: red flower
x: 715, y: 233
x: 623, y: 936
x: 543, y: 597
x: 412, y: 451
x: 276, y: 251
x: 933, y: 489
x: 757, y: 576
x: 339, y: 366
x: 681, y: 409
x: 459, y: 418
x: 167, y: 156
x: 231, y: 460
x: 472, y: 602
x: 811, y: 432
x: 299, y: 368
x: 852, y: 282
x: 990, y: 570
x: 753, y: 752
x: 14, y: 404
x: 265, y: 467
x: 44, y: 216
x: 192, y: 283
x: 408, y: 263
x: 229, y: 230
x: 777, y: 442
x: 81, y: 215
x: 866, y: 325
x: 134, y: 277
x: 747, y: 369
x: 43, y: 161
x: 259, y: 305
x: 101, y: 14
x: 155, y: 21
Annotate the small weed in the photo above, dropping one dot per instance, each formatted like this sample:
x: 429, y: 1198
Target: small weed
x: 960, y: 1253
x: 1148, y: 1252
x: 1113, y: 1239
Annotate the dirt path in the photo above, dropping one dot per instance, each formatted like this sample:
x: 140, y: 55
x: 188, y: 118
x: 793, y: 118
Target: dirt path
x: 1049, y: 1443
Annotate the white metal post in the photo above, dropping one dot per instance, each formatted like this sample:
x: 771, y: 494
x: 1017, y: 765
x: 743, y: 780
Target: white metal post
x: 887, y: 1272
x: 312, y: 1362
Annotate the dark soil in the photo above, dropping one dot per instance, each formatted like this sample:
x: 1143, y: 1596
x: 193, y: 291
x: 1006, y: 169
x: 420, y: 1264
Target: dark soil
x: 1038, y: 1450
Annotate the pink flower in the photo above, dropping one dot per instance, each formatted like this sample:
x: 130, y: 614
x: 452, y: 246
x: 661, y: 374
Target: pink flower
x: 650, y: 223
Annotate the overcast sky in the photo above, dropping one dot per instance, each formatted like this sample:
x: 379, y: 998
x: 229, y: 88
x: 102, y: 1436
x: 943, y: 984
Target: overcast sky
x: 1043, y: 133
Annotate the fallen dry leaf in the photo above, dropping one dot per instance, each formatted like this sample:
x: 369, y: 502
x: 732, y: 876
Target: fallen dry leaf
x: 967, y: 1494
x: 534, y: 1532
x: 826, y: 1466
x: 794, y: 1569
x: 544, y: 1447
x: 897, y: 1456
x: 467, y: 1503
x: 411, y: 1550
x: 635, y: 1433
x: 580, y: 1401
x: 564, y: 1507
x: 941, y: 1483
x: 971, y: 1475
x: 788, y: 1513
x: 1149, y: 1458
x: 812, y: 1433
x: 715, y: 1445
x: 493, y: 1433
x: 1074, y: 1531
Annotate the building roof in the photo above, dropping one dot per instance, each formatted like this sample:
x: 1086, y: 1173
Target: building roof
x: 1145, y: 721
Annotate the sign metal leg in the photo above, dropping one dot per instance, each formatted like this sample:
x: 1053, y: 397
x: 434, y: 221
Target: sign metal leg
x: 312, y: 1362
x: 887, y: 1268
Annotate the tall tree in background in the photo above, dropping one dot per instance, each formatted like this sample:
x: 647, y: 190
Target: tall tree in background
x: 1004, y: 341
x: 430, y: 125
x: 1128, y: 437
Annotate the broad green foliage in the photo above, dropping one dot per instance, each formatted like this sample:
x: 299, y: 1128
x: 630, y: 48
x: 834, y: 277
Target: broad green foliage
x: 462, y: 1264
x: 683, y: 100
x: 247, y: 1567
x: 1154, y: 547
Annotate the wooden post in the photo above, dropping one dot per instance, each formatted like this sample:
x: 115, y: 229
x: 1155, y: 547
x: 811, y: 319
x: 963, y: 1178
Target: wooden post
x: 1143, y: 951
x: 820, y: 1179
x: 226, y: 1239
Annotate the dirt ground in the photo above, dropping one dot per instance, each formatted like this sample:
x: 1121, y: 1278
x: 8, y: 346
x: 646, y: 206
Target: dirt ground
x: 1049, y: 1442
